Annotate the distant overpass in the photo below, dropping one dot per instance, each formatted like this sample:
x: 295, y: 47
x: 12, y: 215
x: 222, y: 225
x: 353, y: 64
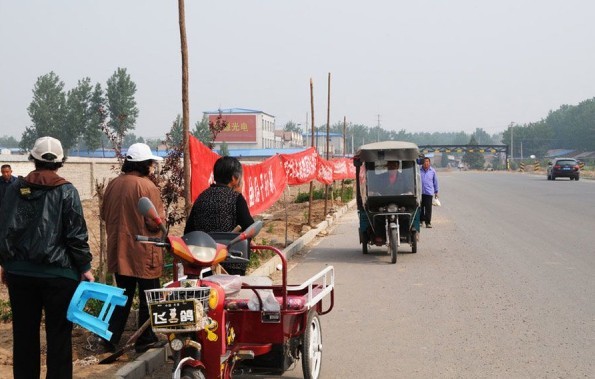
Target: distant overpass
x: 463, y: 149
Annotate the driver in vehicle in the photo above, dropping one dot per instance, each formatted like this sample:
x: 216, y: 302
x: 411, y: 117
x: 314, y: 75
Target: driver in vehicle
x: 390, y: 180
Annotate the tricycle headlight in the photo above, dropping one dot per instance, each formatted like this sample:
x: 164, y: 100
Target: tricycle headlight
x: 392, y: 208
x: 176, y: 344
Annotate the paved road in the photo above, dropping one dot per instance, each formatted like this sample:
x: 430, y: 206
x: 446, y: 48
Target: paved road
x: 502, y: 286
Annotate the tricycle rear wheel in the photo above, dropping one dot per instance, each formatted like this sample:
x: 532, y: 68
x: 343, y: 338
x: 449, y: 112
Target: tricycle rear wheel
x: 312, y: 347
x: 364, y: 240
x: 414, y: 237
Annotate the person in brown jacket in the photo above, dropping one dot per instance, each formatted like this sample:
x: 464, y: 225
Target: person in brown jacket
x: 133, y: 264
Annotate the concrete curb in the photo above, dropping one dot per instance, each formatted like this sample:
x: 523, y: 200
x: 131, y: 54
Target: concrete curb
x: 148, y: 362
x: 271, y: 265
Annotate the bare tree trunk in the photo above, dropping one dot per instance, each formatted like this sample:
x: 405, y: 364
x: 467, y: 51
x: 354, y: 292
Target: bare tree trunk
x: 328, y: 130
x: 185, y: 117
x: 102, y: 267
x: 185, y: 105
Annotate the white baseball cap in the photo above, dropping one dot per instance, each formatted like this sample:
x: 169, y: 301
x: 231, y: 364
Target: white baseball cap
x: 47, y: 145
x: 138, y: 152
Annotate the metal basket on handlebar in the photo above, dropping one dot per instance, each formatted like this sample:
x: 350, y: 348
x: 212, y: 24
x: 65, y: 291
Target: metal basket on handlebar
x: 178, y: 309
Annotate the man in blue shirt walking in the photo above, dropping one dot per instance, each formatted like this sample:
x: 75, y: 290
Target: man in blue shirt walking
x: 429, y: 190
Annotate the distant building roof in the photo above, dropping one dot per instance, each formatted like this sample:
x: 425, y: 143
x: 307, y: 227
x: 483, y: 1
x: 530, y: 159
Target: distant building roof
x: 107, y: 153
x: 235, y: 111
x: 323, y: 134
x: 246, y: 153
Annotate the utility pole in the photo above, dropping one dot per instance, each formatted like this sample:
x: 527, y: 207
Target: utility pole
x: 378, y: 130
x: 328, y: 138
x: 511, y: 142
x: 313, y: 129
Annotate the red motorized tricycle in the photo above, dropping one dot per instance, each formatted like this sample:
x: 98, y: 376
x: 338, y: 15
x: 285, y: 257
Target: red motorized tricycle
x: 221, y: 325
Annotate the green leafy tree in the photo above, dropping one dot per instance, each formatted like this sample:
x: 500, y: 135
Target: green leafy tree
x: 131, y: 138
x: 8, y: 141
x: 206, y: 131
x: 121, y: 103
x: 224, y: 151
x: 474, y: 159
x: 47, y: 110
x: 291, y: 126
x: 153, y: 143
x: 176, y: 133
x: 201, y: 131
x: 482, y: 137
x: 96, y: 115
x: 77, y: 115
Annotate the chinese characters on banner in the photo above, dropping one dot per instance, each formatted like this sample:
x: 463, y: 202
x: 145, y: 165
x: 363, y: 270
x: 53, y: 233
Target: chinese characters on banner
x: 300, y: 167
x: 265, y: 182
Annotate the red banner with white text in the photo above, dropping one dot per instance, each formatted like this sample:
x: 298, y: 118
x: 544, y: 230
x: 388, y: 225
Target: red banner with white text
x: 300, y: 167
x: 265, y: 182
x: 343, y: 168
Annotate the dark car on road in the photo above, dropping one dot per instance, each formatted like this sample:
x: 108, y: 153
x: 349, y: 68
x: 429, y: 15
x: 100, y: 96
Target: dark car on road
x: 563, y: 168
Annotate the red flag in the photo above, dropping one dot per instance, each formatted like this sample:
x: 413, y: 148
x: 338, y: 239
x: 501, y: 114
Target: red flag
x: 264, y: 184
x: 325, y: 171
x: 300, y: 167
x: 202, y: 160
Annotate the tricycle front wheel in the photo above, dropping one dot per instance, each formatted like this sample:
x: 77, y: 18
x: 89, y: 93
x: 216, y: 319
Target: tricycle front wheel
x: 393, y: 245
x: 312, y: 347
x: 192, y: 373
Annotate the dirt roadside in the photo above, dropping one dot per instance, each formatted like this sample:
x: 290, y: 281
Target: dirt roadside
x: 85, y: 355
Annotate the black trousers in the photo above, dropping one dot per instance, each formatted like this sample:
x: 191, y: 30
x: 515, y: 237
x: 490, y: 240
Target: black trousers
x: 120, y: 315
x: 28, y: 297
x: 426, y: 209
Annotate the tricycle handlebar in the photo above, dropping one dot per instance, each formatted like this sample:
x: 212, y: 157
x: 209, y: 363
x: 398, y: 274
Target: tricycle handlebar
x: 152, y: 240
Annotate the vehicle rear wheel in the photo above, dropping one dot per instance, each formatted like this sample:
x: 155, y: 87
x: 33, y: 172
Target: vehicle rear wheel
x: 364, y: 239
x: 392, y: 245
x: 192, y: 373
x: 414, y: 237
x: 312, y: 347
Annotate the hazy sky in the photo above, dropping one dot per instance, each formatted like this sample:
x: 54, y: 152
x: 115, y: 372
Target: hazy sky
x: 426, y: 66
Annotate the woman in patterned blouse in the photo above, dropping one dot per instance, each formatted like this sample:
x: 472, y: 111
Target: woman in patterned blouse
x: 221, y: 207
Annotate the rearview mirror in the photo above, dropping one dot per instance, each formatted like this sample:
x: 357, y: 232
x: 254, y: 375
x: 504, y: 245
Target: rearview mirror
x: 147, y: 209
x: 253, y: 229
x: 250, y: 232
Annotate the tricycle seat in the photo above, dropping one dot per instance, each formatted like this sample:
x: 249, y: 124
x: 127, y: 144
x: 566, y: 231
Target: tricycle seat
x: 294, y: 303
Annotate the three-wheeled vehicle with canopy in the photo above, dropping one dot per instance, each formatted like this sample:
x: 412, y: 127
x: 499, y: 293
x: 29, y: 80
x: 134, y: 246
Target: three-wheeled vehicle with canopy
x: 388, y: 187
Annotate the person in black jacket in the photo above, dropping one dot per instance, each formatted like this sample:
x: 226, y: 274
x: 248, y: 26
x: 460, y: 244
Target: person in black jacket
x: 6, y: 180
x: 44, y: 253
x: 221, y: 207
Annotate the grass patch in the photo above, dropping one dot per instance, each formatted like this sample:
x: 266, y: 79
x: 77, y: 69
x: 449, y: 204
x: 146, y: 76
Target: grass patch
x: 5, y: 311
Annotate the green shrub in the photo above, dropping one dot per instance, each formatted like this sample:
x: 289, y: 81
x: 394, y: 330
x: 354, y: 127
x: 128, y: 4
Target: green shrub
x: 317, y: 194
x: 347, y: 193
